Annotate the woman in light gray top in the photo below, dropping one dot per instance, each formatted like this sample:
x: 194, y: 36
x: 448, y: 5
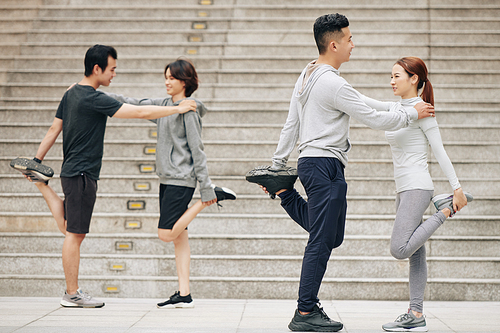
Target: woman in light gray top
x: 414, y: 186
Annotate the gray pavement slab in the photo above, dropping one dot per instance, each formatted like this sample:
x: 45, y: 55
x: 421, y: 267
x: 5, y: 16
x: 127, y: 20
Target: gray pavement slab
x: 43, y: 314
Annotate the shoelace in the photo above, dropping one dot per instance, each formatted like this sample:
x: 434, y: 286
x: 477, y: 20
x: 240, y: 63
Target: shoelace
x: 323, y: 313
x: 402, y: 317
x: 84, y: 295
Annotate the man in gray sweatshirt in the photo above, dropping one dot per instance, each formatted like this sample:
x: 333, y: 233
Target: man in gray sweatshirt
x: 320, y: 110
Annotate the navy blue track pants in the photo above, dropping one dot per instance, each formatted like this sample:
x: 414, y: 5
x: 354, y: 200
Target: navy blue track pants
x: 322, y: 216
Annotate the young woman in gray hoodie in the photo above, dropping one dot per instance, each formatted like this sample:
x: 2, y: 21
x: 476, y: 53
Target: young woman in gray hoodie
x: 180, y: 164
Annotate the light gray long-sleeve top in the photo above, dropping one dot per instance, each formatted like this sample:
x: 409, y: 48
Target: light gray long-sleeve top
x: 320, y: 110
x: 180, y: 159
x: 409, y: 148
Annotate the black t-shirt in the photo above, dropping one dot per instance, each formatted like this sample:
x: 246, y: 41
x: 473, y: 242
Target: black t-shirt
x: 84, y: 112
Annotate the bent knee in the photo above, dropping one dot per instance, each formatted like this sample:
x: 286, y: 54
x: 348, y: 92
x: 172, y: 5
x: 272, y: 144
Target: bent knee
x: 399, y: 254
x: 165, y: 237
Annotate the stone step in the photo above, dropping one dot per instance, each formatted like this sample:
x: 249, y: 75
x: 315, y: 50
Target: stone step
x: 406, y: 10
x: 239, y: 11
x: 218, y: 2
x: 257, y: 244
x: 147, y: 130
x: 248, y: 265
x: 262, y: 23
x: 240, y: 224
x: 19, y: 11
x: 121, y: 3
x: 309, y: 49
x: 14, y: 37
x: 482, y: 151
x: 234, y: 36
x: 215, y: 49
x: 16, y: 24
x: 245, y: 62
x: 25, y: 4
x: 356, y: 3
x: 483, y: 204
x: 437, y: 289
x: 280, y: 76
x: 10, y: 49
x: 125, y: 11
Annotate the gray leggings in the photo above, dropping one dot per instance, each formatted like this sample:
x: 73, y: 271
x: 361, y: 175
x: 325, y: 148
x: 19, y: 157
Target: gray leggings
x: 409, y: 234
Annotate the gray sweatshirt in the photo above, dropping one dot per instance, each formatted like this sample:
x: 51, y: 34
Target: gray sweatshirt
x: 180, y: 159
x: 320, y: 110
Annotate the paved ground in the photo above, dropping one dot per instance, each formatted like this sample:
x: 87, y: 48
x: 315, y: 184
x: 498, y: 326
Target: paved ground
x: 43, y: 314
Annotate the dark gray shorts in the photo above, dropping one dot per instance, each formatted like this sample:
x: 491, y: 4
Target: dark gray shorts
x: 174, y: 201
x: 79, y: 199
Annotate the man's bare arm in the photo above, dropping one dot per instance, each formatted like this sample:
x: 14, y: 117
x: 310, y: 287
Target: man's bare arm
x: 49, y: 139
x: 129, y: 111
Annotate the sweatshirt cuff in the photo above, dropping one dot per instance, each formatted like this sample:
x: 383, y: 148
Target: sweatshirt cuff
x: 207, y: 194
x: 413, y: 113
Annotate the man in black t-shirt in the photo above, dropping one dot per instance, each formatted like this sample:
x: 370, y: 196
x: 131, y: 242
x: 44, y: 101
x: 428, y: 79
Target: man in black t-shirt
x: 82, y: 116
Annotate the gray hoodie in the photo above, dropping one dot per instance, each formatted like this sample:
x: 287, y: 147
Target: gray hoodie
x: 319, y: 114
x: 180, y: 159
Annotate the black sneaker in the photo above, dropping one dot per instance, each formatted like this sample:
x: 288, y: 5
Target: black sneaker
x: 273, y: 179
x: 223, y: 193
x: 36, y: 171
x: 316, y: 321
x: 177, y: 301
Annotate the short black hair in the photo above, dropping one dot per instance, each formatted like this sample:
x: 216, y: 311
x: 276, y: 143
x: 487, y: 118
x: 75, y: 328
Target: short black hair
x: 183, y: 70
x: 327, y: 25
x: 98, y: 55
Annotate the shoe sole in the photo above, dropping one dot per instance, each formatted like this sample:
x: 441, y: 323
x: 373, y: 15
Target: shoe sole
x: 304, y: 327
x: 36, y: 171
x: 414, y: 329
x: 228, y: 191
x: 67, y: 304
x: 176, y: 306
x: 271, y: 184
x: 263, y: 178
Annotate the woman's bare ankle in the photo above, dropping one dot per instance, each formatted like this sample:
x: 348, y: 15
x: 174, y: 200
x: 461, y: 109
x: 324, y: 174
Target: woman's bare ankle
x: 417, y: 314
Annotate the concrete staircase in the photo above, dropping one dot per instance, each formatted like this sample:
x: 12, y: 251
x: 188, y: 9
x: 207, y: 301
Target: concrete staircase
x: 248, y: 55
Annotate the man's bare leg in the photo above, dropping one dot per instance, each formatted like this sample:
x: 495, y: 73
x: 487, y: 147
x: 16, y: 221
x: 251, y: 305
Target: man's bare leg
x: 71, y: 260
x: 55, y: 203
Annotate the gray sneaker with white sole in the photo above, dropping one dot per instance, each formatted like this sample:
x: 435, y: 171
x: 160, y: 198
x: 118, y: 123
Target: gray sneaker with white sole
x: 80, y: 300
x: 443, y: 201
x: 407, y: 322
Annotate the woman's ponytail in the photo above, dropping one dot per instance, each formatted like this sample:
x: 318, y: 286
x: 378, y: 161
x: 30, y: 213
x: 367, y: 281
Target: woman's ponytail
x: 416, y: 66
